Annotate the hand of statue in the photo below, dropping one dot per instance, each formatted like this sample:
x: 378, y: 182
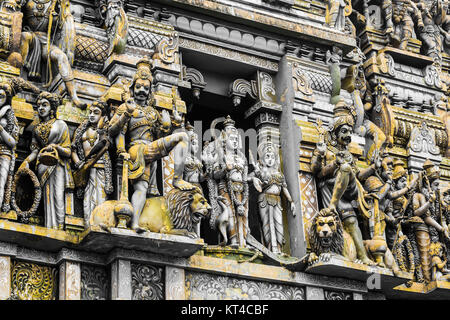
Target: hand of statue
x: 165, y: 116
x: 131, y: 105
x: 24, y: 165
x: 177, y: 116
x: 125, y: 155
x: 293, y: 209
x: 79, y: 164
x: 321, y: 148
x: 432, y: 197
x: 258, y: 184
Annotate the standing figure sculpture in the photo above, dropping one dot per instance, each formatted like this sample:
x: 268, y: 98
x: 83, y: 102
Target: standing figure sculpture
x: 400, y: 16
x: 420, y: 219
x: 228, y: 183
x: 148, y: 135
x: 92, y: 160
x: 270, y: 182
x: 48, y: 40
x: 9, y: 136
x: 50, y: 146
x: 433, y: 15
x: 193, y: 167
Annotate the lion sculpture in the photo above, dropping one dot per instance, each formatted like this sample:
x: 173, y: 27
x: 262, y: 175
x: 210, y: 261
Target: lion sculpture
x: 327, y: 238
x: 176, y: 213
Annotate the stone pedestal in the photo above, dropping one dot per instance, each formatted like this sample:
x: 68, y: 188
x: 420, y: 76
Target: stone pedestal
x: 175, y: 283
x: 121, y: 280
x: 5, y: 277
x: 69, y: 281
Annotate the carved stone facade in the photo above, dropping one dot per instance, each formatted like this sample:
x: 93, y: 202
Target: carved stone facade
x: 224, y: 149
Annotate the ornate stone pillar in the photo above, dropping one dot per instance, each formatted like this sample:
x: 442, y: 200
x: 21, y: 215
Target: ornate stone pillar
x: 69, y: 281
x: 121, y: 280
x: 166, y: 74
x: 290, y: 137
x: 175, y: 284
x: 5, y: 277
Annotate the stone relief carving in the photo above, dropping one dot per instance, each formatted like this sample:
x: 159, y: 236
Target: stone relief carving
x: 94, y: 283
x: 147, y: 282
x: 206, y: 286
x: 33, y: 282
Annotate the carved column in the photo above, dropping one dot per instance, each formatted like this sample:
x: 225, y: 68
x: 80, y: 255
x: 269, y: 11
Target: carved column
x: 5, y: 277
x: 121, y: 280
x: 175, y: 284
x: 166, y: 74
x: 290, y: 137
x: 69, y: 281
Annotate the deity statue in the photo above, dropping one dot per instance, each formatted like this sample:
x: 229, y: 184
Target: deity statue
x: 433, y: 15
x: 193, y: 167
x: 50, y: 146
x: 9, y: 136
x: 336, y: 12
x: 93, y: 175
x: 48, y: 40
x: 421, y: 226
x: 116, y: 23
x: 400, y: 16
x: 334, y: 166
x: 270, y: 182
x: 228, y: 183
x: 149, y: 138
x: 439, y: 270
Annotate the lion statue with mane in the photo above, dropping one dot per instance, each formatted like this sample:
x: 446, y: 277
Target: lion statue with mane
x: 327, y: 238
x: 176, y: 213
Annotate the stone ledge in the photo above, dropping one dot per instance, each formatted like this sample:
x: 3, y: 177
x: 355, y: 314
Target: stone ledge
x: 435, y: 290
x: 356, y: 271
x: 97, y: 240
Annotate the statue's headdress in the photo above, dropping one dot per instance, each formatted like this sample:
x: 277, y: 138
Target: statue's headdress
x: 190, y: 132
x: 344, y: 113
x: 431, y: 171
x: 143, y: 71
x: 399, y: 170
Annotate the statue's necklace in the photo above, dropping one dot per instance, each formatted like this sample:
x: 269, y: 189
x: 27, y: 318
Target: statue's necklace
x: 43, y: 130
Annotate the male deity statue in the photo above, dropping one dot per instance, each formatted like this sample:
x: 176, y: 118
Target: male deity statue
x: 92, y: 160
x: 48, y: 40
x: 228, y: 171
x: 400, y: 16
x: 147, y: 133
x: 334, y: 166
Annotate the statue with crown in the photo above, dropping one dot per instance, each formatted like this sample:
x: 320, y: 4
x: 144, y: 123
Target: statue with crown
x: 338, y: 177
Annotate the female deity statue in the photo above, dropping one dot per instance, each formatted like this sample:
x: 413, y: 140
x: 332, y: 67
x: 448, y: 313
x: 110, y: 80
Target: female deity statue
x: 92, y: 160
x: 193, y: 167
x: 270, y: 182
x: 50, y: 146
x: 229, y: 183
x: 9, y: 136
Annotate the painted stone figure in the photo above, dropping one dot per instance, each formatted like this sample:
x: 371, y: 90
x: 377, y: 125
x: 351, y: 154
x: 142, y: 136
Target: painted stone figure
x: 420, y: 219
x: 48, y: 40
x: 116, y: 23
x: 228, y: 184
x: 93, y: 175
x: 50, y: 147
x: 270, y: 182
x: 336, y: 13
x: 9, y: 136
x: 193, y: 167
x: 433, y: 15
x: 148, y: 135
x: 401, y: 16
